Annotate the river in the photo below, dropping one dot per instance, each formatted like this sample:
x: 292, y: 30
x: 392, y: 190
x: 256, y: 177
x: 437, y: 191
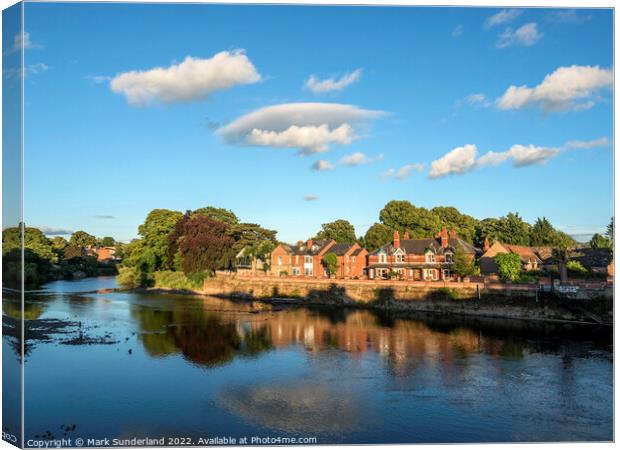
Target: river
x: 107, y: 364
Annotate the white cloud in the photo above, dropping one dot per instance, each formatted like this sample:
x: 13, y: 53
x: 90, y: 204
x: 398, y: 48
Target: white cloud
x: 568, y: 16
x: 457, y: 31
x: 567, y: 88
x: 310, y: 198
x: 331, y: 84
x: 403, y: 172
x: 520, y: 155
x: 504, y: 16
x: 311, y: 127
x: 98, y: 79
x: 31, y: 69
x: 321, y: 165
x: 311, y: 139
x: 193, y: 79
x: 21, y: 41
x: 459, y: 160
x: 526, y: 35
x: 358, y: 158
x: 600, y: 142
x: 478, y: 99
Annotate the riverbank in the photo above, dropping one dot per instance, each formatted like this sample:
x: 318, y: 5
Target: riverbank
x: 523, y: 302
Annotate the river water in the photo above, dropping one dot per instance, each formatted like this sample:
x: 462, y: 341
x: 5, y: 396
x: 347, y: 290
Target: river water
x: 107, y: 364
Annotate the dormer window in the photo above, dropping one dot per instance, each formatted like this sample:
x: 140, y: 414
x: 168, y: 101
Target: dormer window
x: 430, y: 257
x: 448, y: 257
x: 382, y: 257
x: 399, y: 258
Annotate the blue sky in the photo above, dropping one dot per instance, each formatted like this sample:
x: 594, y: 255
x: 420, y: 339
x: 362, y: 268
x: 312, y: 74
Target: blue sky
x: 422, y: 93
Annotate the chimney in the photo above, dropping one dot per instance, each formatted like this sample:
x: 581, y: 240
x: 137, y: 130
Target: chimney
x: 406, y: 236
x: 444, y: 237
x: 486, y: 244
x: 438, y: 234
x: 453, y: 234
x: 396, y: 239
x: 309, y: 243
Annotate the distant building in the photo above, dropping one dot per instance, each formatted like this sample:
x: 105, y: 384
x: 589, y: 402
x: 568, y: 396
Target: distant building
x: 529, y: 259
x: 247, y: 263
x: 418, y: 259
x: 106, y: 253
x: 598, y: 260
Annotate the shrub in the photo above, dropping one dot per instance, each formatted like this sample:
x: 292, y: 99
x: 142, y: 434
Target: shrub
x: 128, y: 277
x: 178, y: 280
x: 576, y: 267
x: 445, y: 293
x: 508, y: 266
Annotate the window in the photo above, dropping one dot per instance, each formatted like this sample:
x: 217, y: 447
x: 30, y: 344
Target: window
x: 308, y: 271
x: 382, y: 258
x: 448, y: 257
x: 308, y: 259
x: 353, y: 258
x: 400, y: 258
x: 279, y: 260
x: 430, y: 257
x: 296, y: 259
x: 296, y: 271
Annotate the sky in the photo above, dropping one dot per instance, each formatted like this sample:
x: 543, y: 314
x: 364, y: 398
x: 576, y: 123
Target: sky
x: 294, y: 116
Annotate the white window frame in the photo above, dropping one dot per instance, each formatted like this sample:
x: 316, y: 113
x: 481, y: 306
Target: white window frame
x: 430, y: 257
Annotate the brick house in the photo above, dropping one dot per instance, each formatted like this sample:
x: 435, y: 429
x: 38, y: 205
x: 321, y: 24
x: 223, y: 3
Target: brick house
x: 303, y: 259
x: 529, y: 258
x: 106, y: 253
x: 306, y: 259
x: 351, y: 260
x: 418, y: 259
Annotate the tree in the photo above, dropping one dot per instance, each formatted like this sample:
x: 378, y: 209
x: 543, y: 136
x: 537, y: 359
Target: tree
x: 248, y: 234
x: 599, y: 241
x: 155, y: 231
x: 403, y: 216
x: 219, y: 214
x: 508, y: 266
x: 203, y: 244
x: 339, y: 230
x: 610, y: 231
x: 377, y: 236
x: 107, y: 241
x: 514, y: 230
x: 331, y: 263
x: 451, y: 217
x: 561, y: 253
x: 463, y: 263
x: 542, y: 233
x: 83, y: 239
x: 73, y: 251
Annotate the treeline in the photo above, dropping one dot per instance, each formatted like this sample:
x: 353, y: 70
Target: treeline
x: 194, y: 245
x: 48, y: 259
x: 423, y: 223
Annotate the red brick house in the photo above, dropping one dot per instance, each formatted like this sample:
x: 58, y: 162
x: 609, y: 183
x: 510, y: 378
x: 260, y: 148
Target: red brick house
x: 306, y: 259
x: 303, y: 259
x: 351, y: 260
x: 418, y: 259
x: 106, y: 253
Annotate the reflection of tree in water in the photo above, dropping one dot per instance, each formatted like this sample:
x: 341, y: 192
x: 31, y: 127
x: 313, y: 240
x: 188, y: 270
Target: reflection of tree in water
x: 200, y: 336
x: 295, y: 407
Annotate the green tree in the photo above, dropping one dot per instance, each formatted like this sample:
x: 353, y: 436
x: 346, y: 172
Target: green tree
x: 451, y: 217
x: 514, y: 230
x: 59, y: 243
x: 331, y: 263
x: 542, y: 233
x: 155, y: 231
x: 464, y: 264
x: 610, y: 231
x: 339, y: 230
x: 83, y: 239
x: 108, y: 241
x: 248, y: 234
x: 561, y: 253
x: 377, y: 236
x: 508, y: 266
x: 599, y: 241
x: 218, y: 214
x: 403, y: 216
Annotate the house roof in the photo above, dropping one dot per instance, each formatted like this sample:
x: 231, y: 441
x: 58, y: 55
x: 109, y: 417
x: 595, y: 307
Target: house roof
x: 317, y: 247
x: 340, y: 249
x: 357, y: 251
x: 591, y: 257
x: 420, y: 246
x: 526, y: 254
x: 545, y: 254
